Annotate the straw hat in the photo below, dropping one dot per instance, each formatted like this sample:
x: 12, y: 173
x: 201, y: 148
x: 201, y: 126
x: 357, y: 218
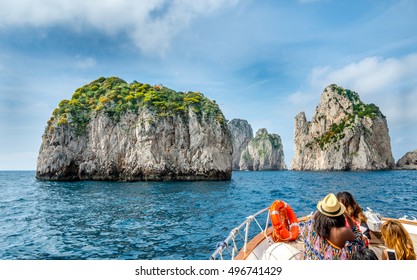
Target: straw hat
x: 330, y: 206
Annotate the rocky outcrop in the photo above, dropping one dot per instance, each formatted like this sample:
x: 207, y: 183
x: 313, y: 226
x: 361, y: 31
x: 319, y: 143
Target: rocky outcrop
x: 242, y: 133
x: 111, y: 130
x: 408, y: 161
x: 344, y: 134
x: 264, y: 152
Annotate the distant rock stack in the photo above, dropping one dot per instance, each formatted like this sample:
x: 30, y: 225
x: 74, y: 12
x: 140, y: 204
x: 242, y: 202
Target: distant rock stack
x: 408, y: 161
x: 111, y: 130
x: 242, y: 134
x: 264, y: 152
x: 344, y: 134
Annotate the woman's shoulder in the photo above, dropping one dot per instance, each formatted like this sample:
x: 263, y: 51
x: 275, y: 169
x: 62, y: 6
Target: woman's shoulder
x: 349, y: 234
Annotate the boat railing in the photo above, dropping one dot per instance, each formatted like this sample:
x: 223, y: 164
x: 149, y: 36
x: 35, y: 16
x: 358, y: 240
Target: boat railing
x: 239, y: 237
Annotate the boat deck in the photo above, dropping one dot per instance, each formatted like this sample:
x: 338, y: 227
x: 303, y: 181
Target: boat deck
x: 377, y: 244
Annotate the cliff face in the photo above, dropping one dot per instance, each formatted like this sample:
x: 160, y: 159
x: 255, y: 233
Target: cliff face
x: 111, y: 130
x: 408, y: 161
x: 344, y: 134
x: 264, y: 152
x: 242, y: 133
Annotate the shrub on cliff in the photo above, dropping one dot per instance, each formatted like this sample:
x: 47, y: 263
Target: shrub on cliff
x: 115, y: 97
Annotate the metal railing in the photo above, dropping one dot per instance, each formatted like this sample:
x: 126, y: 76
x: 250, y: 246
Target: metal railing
x: 235, y: 241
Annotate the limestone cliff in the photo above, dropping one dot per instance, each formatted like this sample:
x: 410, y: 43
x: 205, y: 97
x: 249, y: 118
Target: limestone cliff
x: 344, y: 134
x: 408, y: 161
x: 242, y: 133
x: 111, y: 130
x: 264, y: 152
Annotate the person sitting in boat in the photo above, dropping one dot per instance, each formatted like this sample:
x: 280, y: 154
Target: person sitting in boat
x: 397, y: 238
x: 355, y: 212
x: 326, y: 236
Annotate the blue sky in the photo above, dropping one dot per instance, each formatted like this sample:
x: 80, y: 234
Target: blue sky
x: 262, y: 61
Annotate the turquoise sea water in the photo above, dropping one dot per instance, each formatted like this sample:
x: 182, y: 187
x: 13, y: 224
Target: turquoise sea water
x: 169, y: 220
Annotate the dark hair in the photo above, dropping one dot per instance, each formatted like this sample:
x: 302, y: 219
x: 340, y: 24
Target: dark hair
x: 323, y: 224
x: 364, y: 254
x: 351, y: 205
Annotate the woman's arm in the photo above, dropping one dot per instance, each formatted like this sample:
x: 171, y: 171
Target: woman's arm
x: 384, y: 255
x: 339, y: 236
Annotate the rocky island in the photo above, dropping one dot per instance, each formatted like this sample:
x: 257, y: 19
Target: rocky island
x: 112, y: 130
x: 344, y: 134
x: 264, y: 152
x: 242, y: 134
x: 408, y: 161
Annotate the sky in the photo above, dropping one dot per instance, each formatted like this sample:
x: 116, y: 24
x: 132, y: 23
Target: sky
x: 261, y: 61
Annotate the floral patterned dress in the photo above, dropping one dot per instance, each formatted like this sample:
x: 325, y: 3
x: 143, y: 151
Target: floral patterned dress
x: 319, y: 248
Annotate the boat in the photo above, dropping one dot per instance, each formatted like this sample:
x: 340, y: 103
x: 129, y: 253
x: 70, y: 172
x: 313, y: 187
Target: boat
x: 252, y: 239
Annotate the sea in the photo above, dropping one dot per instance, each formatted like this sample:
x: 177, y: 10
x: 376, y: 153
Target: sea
x: 95, y: 220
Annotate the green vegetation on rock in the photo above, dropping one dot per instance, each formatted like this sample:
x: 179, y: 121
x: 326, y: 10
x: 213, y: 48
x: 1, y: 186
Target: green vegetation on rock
x: 275, y: 143
x: 360, y: 109
x: 337, y: 130
x: 335, y: 133
x: 115, y: 97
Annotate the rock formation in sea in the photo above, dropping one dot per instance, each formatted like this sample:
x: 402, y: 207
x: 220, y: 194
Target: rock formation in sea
x: 112, y: 130
x: 408, y: 161
x: 264, y: 152
x: 344, y: 134
x: 242, y: 133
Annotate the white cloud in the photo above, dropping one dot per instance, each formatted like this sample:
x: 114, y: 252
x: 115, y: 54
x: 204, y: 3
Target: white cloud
x: 85, y: 63
x: 151, y: 24
x: 302, y: 99
x: 370, y: 75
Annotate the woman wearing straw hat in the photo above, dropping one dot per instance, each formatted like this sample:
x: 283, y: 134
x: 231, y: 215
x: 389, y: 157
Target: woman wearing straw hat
x: 326, y: 236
